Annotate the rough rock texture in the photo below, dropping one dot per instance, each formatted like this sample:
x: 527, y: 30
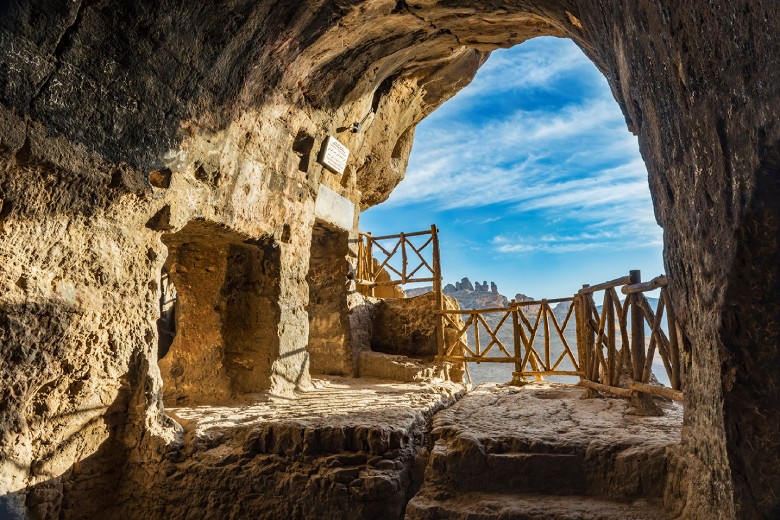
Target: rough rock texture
x: 362, y: 310
x: 402, y: 368
x: 529, y: 443
x: 345, y: 449
x: 489, y: 506
x: 330, y: 341
x: 112, y: 111
x: 407, y: 326
x: 226, y: 314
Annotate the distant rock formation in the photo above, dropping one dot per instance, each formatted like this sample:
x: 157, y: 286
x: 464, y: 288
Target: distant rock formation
x: 478, y: 296
x: 466, y: 285
x: 463, y: 285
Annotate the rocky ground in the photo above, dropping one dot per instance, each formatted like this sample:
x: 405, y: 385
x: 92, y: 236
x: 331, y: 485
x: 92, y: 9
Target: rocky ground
x: 541, y: 451
x: 348, y: 448
x: 362, y: 448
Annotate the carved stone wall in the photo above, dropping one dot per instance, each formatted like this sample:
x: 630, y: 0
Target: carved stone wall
x: 226, y: 315
x: 330, y: 341
x: 123, y: 121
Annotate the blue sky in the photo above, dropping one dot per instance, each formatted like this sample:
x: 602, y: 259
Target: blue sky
x: 532, y: 178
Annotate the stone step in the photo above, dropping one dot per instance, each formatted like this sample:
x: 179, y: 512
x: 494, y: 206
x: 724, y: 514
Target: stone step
x: 507, y: 506
x: 551, y: 473
x: 466, y: 465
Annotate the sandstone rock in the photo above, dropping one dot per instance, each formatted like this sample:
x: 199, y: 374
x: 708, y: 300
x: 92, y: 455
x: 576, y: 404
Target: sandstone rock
x: 344, y: 449
x: 330, y: 343
x: 419, y: 291
x: 383, y: 291
x: 511, y: 450
x: 407, y: 326
x: 235, y: 102
x: 376, y: 365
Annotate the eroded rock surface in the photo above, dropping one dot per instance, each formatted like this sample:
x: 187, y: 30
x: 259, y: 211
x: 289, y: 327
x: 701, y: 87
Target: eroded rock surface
x: 346, y: 449
x: 541, y: 451
x: 122, y: 121
x: 407, y: 326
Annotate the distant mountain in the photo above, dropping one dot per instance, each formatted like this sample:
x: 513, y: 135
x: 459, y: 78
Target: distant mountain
x: 417, y: 291
x: 469, y: 295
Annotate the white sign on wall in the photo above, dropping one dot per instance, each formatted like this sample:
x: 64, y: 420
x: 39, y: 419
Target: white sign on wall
x: 334, y: 155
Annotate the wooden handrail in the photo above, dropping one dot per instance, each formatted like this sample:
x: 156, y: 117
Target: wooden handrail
x: 473, y: 311
x: 388, y: 237
x: 655, y: 283
x: 524, y: 303
x: 663, y: 391
x: 609, y: 346
x: 606, y: 285
x: 626, y: 392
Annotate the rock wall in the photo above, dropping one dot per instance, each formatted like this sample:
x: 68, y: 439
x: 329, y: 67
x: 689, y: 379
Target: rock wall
x: 330, y: 342
x: 226, y: 315
x: 407, y: 326
x: 124, y: 121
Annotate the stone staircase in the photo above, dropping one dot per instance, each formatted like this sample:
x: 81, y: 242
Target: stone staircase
x: 551, y: 456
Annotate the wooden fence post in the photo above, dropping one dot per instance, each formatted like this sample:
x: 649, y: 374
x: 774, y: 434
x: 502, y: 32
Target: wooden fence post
x: 674, y: 346
x: 578, y: 318
x: 637, y: 331
x: 437, y: 289
x: 370, y: 262
x: 404, y: 260
x: 641, y: 403
x: 545, y: 310
x: 613, y: 375
x: 517, y: 375
x: 589, y: 343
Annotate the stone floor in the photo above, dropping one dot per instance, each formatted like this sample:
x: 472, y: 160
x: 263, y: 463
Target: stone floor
x: 333, y: 402
x: 345, y: 449
x: 541, y: 451
x: 554, y: 414
x: 362, y: 448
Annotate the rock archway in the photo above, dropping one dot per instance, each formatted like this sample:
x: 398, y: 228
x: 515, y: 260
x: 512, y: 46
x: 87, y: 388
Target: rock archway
x: 96, y: 95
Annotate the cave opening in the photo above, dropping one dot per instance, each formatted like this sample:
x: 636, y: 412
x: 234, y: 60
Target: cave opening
x: 537, y: 186
x: 219, y: 316
x: 329, y: 345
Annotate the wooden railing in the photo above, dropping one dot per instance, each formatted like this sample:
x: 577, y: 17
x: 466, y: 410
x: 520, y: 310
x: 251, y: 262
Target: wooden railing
x: 370, y: 269
x: 530, y: 323
x: 616, y: 357
x: 608, y: 349
x: 388, y: 248
x: 458, y: 350
x: 612, y: 354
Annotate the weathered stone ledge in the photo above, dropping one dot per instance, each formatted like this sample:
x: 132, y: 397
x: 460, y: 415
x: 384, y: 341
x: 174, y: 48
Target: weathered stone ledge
x: 540, y: 441
x: 348, y: 448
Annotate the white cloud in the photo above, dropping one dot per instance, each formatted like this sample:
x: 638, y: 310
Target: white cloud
x: 539, y: 67
x: 575, y: 162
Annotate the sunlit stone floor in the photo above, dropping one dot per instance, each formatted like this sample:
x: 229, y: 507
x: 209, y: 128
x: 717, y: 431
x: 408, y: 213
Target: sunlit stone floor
x: 333, y: 402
